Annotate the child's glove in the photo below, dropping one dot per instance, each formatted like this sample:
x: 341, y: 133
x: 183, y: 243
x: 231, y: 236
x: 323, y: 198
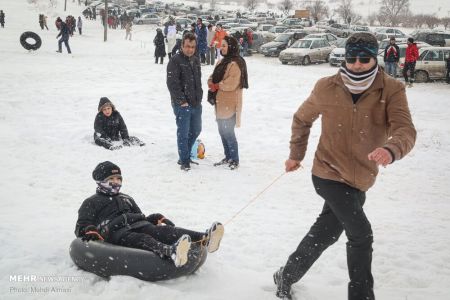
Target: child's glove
x: 158, y: 219
x: 127, y: 142
x: 91, y: 234
x: 115, y: 147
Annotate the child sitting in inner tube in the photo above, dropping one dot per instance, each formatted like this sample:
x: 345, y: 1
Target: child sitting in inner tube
x: 109, y: 126
x: 115, y: 218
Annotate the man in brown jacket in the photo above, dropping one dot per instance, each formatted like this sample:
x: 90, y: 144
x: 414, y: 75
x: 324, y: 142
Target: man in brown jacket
x: 365, y: 123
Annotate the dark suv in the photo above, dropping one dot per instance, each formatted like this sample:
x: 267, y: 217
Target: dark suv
x: 432, y: 38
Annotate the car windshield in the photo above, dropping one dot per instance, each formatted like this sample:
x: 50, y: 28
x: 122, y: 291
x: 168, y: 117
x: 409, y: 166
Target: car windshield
x: 305, y: 44
x: 341, y: 43
x: 282, y: 38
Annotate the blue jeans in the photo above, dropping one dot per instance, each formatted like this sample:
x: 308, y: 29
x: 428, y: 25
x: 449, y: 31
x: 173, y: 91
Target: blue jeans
x: 230, y: 144
x: 66, y: 43
x: 189, y: 126
x: 391, y: 68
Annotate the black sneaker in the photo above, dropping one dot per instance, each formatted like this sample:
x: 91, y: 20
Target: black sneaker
x: 185, y: 166
x: 190, y: 161
x: 283, y: 290
x: 222, y: 162
x: 233, y: 164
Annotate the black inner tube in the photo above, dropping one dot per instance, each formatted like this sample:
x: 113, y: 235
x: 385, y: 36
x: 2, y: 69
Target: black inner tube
x: 30, y: 35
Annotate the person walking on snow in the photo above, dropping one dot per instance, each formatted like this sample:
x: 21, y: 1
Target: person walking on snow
x: 2, y: 18
x: 211, y: 52
x: 115, y: 218
x: 64, y: 34
x: 128, y: 29
x: 79, y: 25
x: 160, y: 46
x: 171, y: 37
x: 411, y: 56
x: 185, y: 86
x: 391, y: 57
x: 366, y: 123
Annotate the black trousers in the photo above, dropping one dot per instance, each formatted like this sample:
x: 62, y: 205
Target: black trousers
x: 411, y: 67
x: 158, y: 239
x: 342, y: 211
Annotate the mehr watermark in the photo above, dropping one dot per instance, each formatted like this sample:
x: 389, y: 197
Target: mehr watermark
x: 43, y: 284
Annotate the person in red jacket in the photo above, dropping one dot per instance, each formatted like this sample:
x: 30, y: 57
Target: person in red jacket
x: 412, y: 54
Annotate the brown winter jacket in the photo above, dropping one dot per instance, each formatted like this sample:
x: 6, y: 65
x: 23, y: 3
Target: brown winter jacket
x: 229, y: 95
x: 380, y: 118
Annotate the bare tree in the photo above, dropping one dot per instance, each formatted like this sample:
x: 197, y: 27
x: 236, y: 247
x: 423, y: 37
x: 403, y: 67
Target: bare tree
x: 446, y: 22
x: 285, y: 6
x: 372, y: 18
x: 252, y: 4
x: 431, y: 21
x: 419, y: 20
x: 345, y: 11
x: 392, y: 10
x: 317, y: 9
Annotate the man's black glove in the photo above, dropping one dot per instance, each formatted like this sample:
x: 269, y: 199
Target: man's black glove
x: 91, y: 234
x: 158, y: 219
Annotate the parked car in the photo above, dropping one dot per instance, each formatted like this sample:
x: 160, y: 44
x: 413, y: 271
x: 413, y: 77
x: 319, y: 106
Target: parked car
x: 431, y: 63
x: 264, y: 27
x: 147, y: 19
x: 277, y: 29
x: 331, y: 38
x: 385, y: 33
x: 340, y: 30
x: 277, y: 45
x: 360, y: 28
x: 247, y: 23
x: 434, y: 38
x: 337, y: 55
x: 290, y: 22
x: 305, y: 51
x: 401, y: 63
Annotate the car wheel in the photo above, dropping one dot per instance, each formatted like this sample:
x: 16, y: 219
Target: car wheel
x: 306, y: 60
x: 422, y: 76
x: 284, y: 62
x: 140, y: 22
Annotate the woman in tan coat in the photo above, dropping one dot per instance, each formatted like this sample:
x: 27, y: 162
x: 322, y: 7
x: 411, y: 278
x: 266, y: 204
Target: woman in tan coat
x: 225, y: 90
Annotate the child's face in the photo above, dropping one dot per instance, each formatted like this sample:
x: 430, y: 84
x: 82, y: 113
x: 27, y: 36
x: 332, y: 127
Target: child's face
x: 107, y: 110
x: 115, y: 180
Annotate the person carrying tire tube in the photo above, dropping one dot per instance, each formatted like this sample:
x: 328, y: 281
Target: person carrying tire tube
x: 115, y: 218
x: 64, y: 34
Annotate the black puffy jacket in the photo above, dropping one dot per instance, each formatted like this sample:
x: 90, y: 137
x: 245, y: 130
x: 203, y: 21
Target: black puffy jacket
x: 184, y: 79
x: 112, y: 215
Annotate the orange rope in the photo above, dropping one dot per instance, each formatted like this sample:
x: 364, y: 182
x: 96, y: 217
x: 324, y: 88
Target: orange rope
x: 254, y: 199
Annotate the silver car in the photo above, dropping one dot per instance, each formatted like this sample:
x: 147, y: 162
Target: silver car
x: 431, y: 63
x: 148, y: 19
x: 306, y: 51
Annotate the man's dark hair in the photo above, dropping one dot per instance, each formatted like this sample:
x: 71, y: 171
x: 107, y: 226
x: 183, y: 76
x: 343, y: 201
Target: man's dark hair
x: 188, y: 36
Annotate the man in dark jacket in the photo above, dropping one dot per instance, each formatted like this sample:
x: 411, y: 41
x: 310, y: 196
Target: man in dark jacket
x: 185, y: 87
x: 202, y: 45
x: 2, y: 18
x: 64, y: 33
x: 115, y: 218
x: 109, y: 126
x: 391, y: 57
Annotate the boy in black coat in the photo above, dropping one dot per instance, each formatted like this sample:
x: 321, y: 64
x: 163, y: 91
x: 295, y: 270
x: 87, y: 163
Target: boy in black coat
x: 115, y: 218
x: 109, y: 126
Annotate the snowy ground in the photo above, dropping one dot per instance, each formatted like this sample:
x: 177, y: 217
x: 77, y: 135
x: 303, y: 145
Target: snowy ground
x: 47, y: 106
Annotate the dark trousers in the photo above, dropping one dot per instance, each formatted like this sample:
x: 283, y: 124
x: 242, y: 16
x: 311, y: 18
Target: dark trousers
x: 161, y: 58
x: 66, y: 43
x: 409, y: 66
x: 229, y: 141
x: 158, y: 239
x: 342, y: 210
x: 447, y: 77
x: 189, y: 126
x: 211, y: 56
x: 79, y: 30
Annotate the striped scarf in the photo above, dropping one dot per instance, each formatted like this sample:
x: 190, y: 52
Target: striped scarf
x: 357, y: 83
